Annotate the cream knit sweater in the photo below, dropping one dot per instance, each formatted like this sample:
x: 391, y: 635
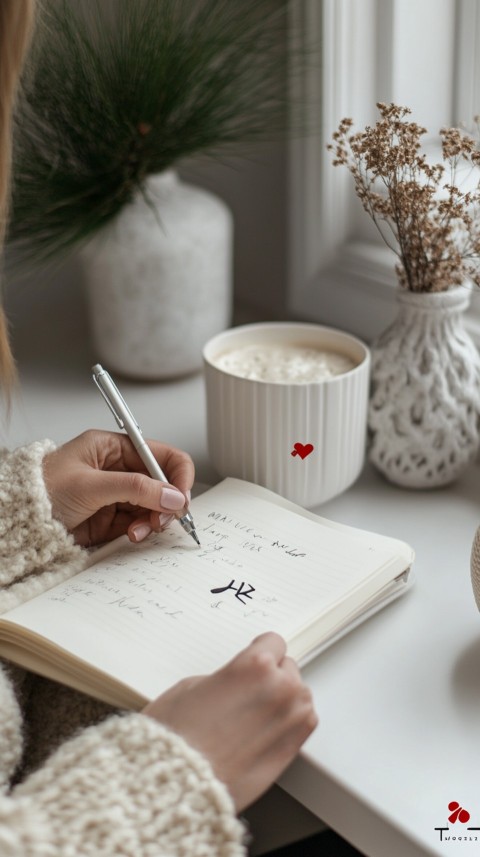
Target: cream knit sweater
x: 122, y: 786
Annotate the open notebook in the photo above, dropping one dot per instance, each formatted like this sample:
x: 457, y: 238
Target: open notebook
x: 141, y: 617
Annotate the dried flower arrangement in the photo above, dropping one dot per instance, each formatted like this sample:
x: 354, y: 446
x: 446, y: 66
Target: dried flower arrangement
x: 435, y: 225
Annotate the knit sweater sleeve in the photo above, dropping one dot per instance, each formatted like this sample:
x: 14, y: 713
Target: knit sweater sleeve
x: 128, y: 787
x: 36, y: 551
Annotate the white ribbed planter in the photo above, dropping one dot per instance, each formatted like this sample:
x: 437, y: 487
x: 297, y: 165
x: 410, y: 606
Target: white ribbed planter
x: 425, y: 399
x: 159, y: 282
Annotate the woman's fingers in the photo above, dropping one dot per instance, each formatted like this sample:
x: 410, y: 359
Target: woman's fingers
x: 249, y: 718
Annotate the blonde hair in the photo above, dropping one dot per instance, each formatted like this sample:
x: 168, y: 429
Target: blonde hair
x: 16, y: 20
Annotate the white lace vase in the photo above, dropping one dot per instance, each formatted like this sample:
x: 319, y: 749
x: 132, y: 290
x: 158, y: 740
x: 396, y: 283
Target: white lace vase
x: 159, y: 280
x: 425, y: 395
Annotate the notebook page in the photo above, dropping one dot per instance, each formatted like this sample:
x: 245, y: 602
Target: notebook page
x: 241, y: 486
x: 153, y: 613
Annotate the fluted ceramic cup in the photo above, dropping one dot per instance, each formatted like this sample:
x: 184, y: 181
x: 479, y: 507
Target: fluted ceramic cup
x: 254, y: 426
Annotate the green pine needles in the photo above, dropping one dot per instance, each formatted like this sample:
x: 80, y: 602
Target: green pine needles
x: 116, y: 92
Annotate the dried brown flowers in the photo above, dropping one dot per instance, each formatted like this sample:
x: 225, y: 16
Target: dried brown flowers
x: 435, y: 225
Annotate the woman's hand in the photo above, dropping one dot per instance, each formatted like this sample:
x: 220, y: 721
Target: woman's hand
x: 99, y: 487
x: 249, y: 718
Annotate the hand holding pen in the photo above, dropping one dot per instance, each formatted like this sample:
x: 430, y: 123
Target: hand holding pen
x: 98, y: 493
x: 126, y: 421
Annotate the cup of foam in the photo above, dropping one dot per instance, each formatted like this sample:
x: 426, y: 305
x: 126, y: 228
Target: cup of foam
x: 287, y: 407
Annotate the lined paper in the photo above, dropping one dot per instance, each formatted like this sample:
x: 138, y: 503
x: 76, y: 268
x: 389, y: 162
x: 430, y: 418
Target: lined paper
x: 153, y: 613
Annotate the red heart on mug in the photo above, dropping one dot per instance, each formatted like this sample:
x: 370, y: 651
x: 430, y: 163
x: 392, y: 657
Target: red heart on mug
x: 302, y: 449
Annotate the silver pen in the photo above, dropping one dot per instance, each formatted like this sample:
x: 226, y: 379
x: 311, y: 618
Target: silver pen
x: 126, y: 421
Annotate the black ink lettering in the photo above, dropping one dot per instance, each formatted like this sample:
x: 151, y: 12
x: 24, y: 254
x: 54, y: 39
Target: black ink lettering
x: 123, y: 602
x: 288, y: 550
x: 211, y: 547
x: 248, y: 613
x: 222, y: 519
x: 234, y: 563
x: 237, y: 525
x: 251, y: 547
x: 139, y: 584
x: 215, y: 533
x: 239, y: 591
x: 224, y: 588
x: 248, y: 531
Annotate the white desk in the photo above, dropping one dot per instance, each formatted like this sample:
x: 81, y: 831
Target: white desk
x: 399, y: 699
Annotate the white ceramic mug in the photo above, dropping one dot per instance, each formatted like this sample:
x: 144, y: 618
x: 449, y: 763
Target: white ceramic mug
x: 262, y: 431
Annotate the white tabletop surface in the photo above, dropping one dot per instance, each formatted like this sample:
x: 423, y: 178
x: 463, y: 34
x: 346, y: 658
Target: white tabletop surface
x: 398, y: 698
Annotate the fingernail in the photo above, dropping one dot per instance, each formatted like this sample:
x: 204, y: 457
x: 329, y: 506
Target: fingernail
x: 172, y: 499
x: 165, y: 519
x: 188, y: 495
x: 141, y: 531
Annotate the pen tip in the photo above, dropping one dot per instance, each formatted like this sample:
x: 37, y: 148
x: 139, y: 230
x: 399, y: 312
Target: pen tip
x: 194, y: 535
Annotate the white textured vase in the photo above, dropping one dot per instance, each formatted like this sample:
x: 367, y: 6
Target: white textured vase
x: 425, y: 398
x: 159, y: 280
